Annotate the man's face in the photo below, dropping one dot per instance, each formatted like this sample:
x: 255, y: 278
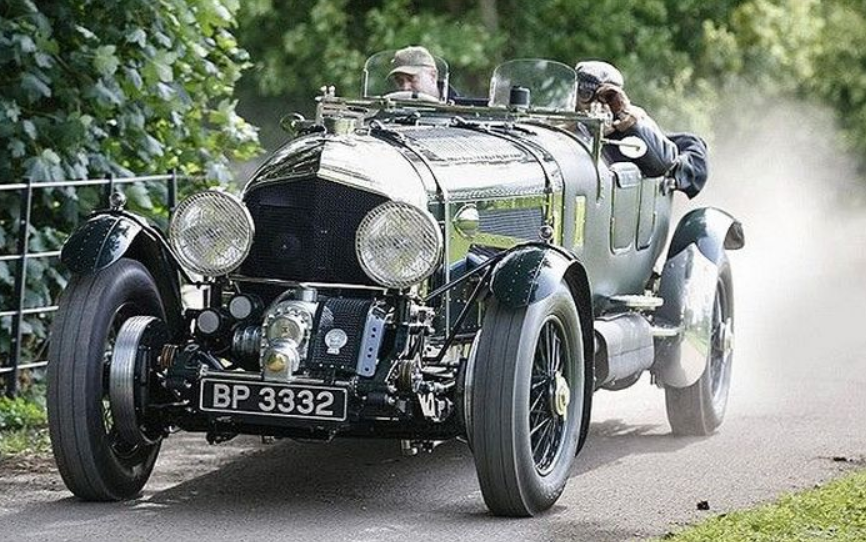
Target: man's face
x: 425, y: 81
x: 587, y: 87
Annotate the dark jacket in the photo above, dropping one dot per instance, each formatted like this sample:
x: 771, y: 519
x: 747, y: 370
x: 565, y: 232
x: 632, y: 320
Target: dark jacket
x: 681, y: 156
x: 692, y: 167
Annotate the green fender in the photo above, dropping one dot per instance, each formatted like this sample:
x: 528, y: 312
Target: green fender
x: 107, y: 237
x: 711, y: 229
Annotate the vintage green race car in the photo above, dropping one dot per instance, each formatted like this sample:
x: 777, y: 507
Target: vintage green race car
x: 404, y: 268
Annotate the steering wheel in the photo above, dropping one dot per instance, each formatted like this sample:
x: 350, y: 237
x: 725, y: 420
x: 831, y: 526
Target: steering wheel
x: 409, y: 95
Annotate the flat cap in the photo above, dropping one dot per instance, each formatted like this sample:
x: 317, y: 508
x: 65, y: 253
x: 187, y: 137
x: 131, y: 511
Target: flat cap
x: 412, y: 60
x: 601, y: 71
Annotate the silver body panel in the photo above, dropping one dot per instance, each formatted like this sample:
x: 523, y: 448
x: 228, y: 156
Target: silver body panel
x: 688, y: 286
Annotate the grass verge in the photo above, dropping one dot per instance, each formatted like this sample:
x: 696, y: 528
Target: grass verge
x: 836, y: 511
x: 20, y: 442
x: 23, y: 426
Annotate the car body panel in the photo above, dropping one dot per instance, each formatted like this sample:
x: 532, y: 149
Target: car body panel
x: 713, y: 230
x: 108, y: 236
x: 687, y: 285
x: 99, y: 242
x: 527, y: 176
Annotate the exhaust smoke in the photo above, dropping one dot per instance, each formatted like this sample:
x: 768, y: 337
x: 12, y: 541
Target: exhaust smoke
x: 800, y: 287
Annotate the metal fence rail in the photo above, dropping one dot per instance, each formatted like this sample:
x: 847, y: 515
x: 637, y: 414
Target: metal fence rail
x: 17, y: 311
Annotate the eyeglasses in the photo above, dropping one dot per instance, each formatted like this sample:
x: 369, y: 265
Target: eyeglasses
x: 587, y: 86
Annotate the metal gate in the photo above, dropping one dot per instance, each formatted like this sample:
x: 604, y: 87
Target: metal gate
x: 14, y: 308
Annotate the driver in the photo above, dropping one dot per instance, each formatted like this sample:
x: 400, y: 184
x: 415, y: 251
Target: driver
x: 683, y: 157
x: 415, y: 71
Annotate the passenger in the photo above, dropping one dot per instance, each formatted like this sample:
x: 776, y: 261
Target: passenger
x: 682, y: 157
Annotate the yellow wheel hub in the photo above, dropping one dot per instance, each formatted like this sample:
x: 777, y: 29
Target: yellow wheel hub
x: 561, y: 395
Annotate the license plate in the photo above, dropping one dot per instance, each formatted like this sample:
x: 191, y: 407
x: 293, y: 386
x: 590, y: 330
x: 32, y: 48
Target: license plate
x: 267, y: 399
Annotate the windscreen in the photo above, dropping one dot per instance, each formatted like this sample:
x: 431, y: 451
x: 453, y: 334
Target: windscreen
x: 552, y: 85
x: 378, y: 81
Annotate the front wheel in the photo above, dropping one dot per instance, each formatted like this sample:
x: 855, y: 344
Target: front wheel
x: 95, y: 455
x: 699, y: 409
x: 527, y: 403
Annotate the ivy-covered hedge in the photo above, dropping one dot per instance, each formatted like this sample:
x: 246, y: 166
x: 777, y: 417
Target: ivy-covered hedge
x: 93, y: 88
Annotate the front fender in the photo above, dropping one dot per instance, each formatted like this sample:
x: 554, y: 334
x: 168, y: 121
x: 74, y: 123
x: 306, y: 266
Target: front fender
x: 99, y: 242
x: 107, y: 237
x: 529, y: 273
x: 688, y: 287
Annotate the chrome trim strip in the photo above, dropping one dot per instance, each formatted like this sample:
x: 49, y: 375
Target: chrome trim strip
x: 295, y: 284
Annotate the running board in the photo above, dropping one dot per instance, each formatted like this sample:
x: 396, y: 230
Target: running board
x: 638, y: 302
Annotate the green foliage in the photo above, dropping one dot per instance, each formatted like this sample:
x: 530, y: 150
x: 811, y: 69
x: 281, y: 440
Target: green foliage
x: 681, y: 58
x: 92, y: 89
x: 777, y: 41
x: 21, y: 413
x: 836, y: 511
x: 325, y: 42
x: 838, y: 74
x: 24, y: 421
x: 25, y: 443
x: 314, y: 34
x: 803, y: 48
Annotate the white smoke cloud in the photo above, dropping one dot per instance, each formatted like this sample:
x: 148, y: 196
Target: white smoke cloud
x: 800, y: 281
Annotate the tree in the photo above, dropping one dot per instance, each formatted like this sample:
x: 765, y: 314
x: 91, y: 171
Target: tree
x: 319, y: 42
x: 325, y: 42
x: 806, y: 49
x: 92, y: 89
x: 838, y: 73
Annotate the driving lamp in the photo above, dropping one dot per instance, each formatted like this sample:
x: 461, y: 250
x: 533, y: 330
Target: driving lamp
x: 211, y: 233
x: 398, y: 244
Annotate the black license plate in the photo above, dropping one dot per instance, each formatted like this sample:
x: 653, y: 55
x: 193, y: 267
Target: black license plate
x: 270, y: 399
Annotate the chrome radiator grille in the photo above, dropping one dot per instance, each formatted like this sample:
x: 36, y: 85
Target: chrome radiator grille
x: 305, y: 231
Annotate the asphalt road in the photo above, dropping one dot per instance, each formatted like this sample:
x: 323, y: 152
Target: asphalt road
x: 795, y: 418
x: 633, y: 480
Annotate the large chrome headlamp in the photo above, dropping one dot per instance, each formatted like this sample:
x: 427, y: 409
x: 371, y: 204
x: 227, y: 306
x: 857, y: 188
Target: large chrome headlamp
x: 211, y: 233
x: 398, y: 244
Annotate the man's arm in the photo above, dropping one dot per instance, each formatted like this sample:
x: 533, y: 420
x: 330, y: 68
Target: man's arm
x: 681, y: 156
x: 691, y: 170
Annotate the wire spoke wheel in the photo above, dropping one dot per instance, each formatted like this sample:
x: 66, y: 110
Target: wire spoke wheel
x: 720, y: 351
x: 546, y: 425
x: 528, y: 403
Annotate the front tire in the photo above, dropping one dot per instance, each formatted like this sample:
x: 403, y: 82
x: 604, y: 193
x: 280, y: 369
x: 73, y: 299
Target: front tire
x: 95, y: 462
x: 527, y: 403
x: 699, y: 409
